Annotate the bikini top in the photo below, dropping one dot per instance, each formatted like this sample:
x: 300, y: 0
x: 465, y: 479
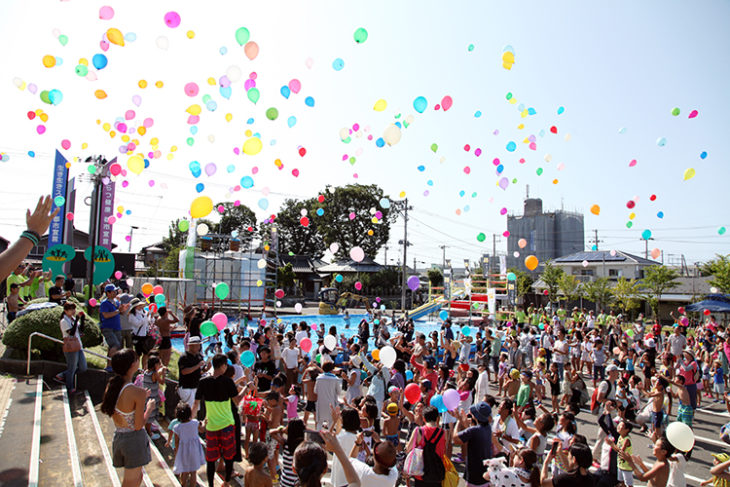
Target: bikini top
x: 127, y: 417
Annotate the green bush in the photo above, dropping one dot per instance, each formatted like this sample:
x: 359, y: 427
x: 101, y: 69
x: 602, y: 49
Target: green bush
x: 46, y: 321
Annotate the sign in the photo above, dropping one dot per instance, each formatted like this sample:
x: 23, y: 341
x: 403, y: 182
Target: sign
x: 60, y: 177
x: 492, y: 301
x: 512, y: 292
x: 106, y: 210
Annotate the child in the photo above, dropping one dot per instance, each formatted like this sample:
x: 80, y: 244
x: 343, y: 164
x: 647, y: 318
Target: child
x: 706, y: 377
x: 502, y: 371
x: 13, y: 301
x: 623, y: 445
x: 658, y: 474
x: 657, y: 408
x: 292, y: 401
x: 309, y: 376
x: 153, y: 377
x: 685, y: 413
x: 718, y: 381
x: 554, y: 379
x: 586, y: 355
x: 189, y: 456
x: 273, y: 415
x: 512, y: 386
x: 391, y: 425
x: 252, y: 411
x: 256, y: 474
x: 599, y: 359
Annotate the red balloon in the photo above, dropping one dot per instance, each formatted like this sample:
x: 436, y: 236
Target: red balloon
x: 412, y: 393
x: 681, y: 309
x: 706, y: 312
x: 279, y: 293
x: 630, y: 204
x: 158, y: 290
x: 305, y: 344
x: 464, y: 367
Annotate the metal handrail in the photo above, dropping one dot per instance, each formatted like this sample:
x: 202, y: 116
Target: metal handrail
x: 53, y: 339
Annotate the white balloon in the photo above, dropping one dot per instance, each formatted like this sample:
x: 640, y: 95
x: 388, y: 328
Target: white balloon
x: 330, y: 342
x: 233, y: 73
x: 388, y: 356
x: 357, y: 254
x: 334, y: 247
x: 261, y: 263
x: 680, y: 436
x: 298, y: 307
x: 392, y: 135
x: 163, y: 43
x: 202, y: 229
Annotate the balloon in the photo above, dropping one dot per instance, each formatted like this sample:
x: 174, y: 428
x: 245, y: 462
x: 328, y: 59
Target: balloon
x: 451, y: 399
x: 251, y: 49
x: 420, y: 104
x: 163, y: 43
x: 99, y: 61
x: 437, y: 401
x: 252, y: 146
x: 330, y: 342
x: 414, y: 283
x: 222, y: 290
x: 444, y: 315
x: 521, y: 243
x: 466, y: 330
x: 361, y: 35
x: 115, y: 36
x: 675, y: 111
x: 511, y: 276
x: 681, y: 310
x: 106, y: 13
x: 172, y: 19
x: 253, y: 94
x: 388, y: 356
x: 376, y: 354
x: 706, y: 312
x: 159, y: 299
x: 272, y: 113
x: 242, y: 36
x: 358, y: 285
x: 380, y: 105
x: 655, y: 253
x: 207, y: 328
x: 646, y: 234
x: 135, y: 164
x: 412, y: 391
x: 158, y: 289
x: 220, y: 320
x: 689, y: 173
x: 357, y: 254
x: 446, y: 102
x: 118, y: 275
x: 279, y: 293
x: 680, y: 436
x: 305, y: 344
x: 409, y: 376
x: 248, y: 358
x: 338, y: 64
x: 531, y: 262
x: 481, y: 237
x: 147, y: 288
x: 298, y: 307
x: 201, y: 206
x: 392, y: 135
x: 684, y: 321
x: 92, y: 302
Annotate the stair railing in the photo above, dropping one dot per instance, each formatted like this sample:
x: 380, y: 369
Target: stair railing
x: 53, y: 339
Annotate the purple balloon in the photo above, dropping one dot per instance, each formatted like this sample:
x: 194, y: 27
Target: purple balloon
x: 503, y: 183
x: 451, y: 399
x: 224, y: 81
x: 250, y: 83
x: 210, y: 169
x: 414, y: 283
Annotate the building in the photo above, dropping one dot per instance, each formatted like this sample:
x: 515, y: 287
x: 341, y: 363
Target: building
x: 546, y: 235
x: 588, y: 265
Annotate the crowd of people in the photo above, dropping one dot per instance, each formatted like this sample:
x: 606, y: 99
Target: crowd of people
x: 397, y: 407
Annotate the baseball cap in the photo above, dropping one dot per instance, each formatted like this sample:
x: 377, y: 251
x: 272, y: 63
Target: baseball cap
x: 109, y: 288
x: 721, y: 457
x: 612, y: 368
x: 392, y: 409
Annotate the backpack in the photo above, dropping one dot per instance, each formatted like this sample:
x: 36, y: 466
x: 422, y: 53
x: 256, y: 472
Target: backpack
x: 433, y: 466
x: 595, y: 405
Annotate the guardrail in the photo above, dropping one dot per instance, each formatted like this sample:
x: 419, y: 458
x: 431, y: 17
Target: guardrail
x: 53, y: 339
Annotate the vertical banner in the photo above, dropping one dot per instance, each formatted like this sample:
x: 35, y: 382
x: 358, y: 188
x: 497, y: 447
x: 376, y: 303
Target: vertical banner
x: 512, y: 292
x: 68, y: 230
x: 60, y: 177
x: 492, y: 301
x: 106, y: 210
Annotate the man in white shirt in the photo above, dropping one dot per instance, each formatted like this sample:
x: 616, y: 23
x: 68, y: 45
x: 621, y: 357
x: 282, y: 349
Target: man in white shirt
x: 482, y: 385
x: 327, y: 387
x: 560, y: 352
x: 677, y: 343
x: 383, y: 472
x: 291, y: 356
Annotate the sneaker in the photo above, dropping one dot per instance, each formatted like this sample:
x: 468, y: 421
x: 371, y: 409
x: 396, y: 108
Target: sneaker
x: 60, y: 379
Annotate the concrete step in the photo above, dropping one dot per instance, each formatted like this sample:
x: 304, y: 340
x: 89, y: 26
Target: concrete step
x: 55, y: 462
x: 17, y: 431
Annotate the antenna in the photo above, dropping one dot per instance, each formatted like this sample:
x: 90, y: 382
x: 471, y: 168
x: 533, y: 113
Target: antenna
x: 527, y: 191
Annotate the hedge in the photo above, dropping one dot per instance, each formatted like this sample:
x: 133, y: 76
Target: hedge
x: 46, y: 321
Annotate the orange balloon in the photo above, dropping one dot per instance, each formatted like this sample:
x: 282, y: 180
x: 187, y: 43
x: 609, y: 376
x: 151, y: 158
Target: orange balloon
x: 521, y: 243
x: 596, y: 210
x: 376, y: 354
x: 100, y: 94
x: 115, y: 36
x: 49, y: 61
x: 251, y: 49
x: 147, y: 288
x: 531, y: 262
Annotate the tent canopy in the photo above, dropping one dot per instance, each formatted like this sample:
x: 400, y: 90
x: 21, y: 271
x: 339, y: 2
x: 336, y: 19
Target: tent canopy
x: 715, y: 303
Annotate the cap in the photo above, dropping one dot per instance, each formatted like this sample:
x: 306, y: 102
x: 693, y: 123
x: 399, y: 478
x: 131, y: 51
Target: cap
x: 514, y: 374
x: 721, y: 457
x: 392, y: 409
x: 109, y: 288
x: 482, y: 412
x: 612, y: 368
x: 393, y: 388
x: 527, y: 374
x: 649, y: 342
x: 194, y: 340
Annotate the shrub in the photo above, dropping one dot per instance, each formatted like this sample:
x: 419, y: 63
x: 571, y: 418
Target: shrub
x: 46, y: 321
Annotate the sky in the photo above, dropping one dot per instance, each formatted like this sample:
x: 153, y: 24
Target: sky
x: 617, y: 70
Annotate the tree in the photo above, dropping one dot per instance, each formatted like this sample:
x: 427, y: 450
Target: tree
x: 285, y: 276
x: 524, y: 282
x: 551, y: 278
x: 435, y: 277
x: 235, y: 218
x: 626, y: 293
x: 293, y: 236
x: 571, y: 287
x: 599, y: 292
x: 658, y: 279
x: 719, y: 269
x: 478, y: 284
x: 176, y: 238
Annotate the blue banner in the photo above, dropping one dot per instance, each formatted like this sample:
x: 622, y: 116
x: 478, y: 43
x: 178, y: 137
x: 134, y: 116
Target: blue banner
x: 60, y: 177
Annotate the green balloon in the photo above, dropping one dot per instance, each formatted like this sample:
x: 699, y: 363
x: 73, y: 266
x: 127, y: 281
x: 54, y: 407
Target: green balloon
x: 539, y: 171
x: 63, y: 39
x: 222, y: 290
x: 675, y: 111
x: 471, y: 47
x: 207, y: 328
x: 509, y: 95
x: 242, y: 36
x: 254, y: 95
x: 361, y: 35
x: 272, y: 113
x: 183, y: 226
x: 82, y: 70
x: 481, y: 237
x: 44, y: 97
x: 434, y: 147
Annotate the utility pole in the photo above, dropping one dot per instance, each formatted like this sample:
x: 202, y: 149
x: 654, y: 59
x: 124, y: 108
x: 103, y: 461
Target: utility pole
x: 646, y: 247
x: 595, y: 240
x: 404, y: 207
x: 131, y: 232
x: 386, y: 256
x: 443, y: 259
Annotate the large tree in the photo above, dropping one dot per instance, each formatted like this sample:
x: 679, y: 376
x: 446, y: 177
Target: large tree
x: 237, y: 218
x: 598, y: 291
x: 719, y: 269
x: 524, y: 282
x: 551, y: 276
x: 293, y: 236
x: 658, y: 279
x: 627, y: 294
x: 570, y: 287
x: 176, y: 238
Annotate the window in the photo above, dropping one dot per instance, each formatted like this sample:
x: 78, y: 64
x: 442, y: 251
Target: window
x: 614, y: 273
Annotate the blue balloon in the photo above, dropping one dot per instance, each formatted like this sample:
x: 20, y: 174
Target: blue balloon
x: 223, y: 50
x: 561, y: 110
x: 309, y: 101
x: 380, y: 142
x: 99, y: 61
x: 339, y: 278
x: 195, y: 168
x: 194, y: 129
x: 55, y: 96
x: 248, y: 358
x: 465, y: 330
x: 263, y: 203
x: 146, y: 163
x: 531, y: 111
x: 225, y: 92
x: 420, y: 104
x: 703, y: 155
x: 478, y: 114
x: 338, y: 64
x: 211, y: 106
x: 511, y: 276
x: 285, y: 91
x: 199, y: 187
x: 397, y: 124
x: 247, y: 182
x: 511, y: 146
x: 249, y: 121
x: 320, y: 211
x: 409, y: 375
x: 230, y: 168
x: 421, y: 168
x: 437, y: 401
x: 444, y: 315
x: 291, y: 121
x: 660, y: 214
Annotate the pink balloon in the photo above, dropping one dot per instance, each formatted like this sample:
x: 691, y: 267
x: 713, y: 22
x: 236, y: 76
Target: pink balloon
x: 66, y: 144
x: 451, y: 399
x: 104, y: 45
x: 129, y: 115
x: 358, y: 285
x: 118, y: 275
x: 357, y: 254
x: 446, y: 102
x: 210, y: 169
x: 92, y: 302
x: 191, y: 89
x: 106, y: 13
x: 220, y: 320
x: 41, y: 129
x: 172, y: 19
x: 305, y: 344
x: 295, y: 85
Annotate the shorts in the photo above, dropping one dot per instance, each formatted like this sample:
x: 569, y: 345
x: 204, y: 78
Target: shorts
x: 657, y: 419
x: 626, y: 476
x: 165, y: 344
x: 311, y: 406
x: 718, y: 387
x: 555, y: 389
x: 131, y: 449
x: 221, y: 443
x: 187, y: 395
x: 394, y: 439
x: 685, y: 414
x: 113, y: 338
x: 599, y: 372
x: 272, y: 445
x: 11, y: 315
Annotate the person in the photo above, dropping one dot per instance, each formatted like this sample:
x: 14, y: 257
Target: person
x: 291, y: 356
x: 310, y: 462
x: 658, y: 474
x: 56, y: 294
x: 36, y: 224
x: 677, y: 343
x: 505, y: 427
x: 327, y: 388
x: 110, y: 324
x: 687, y: 368
x: 69, y: 284
x: 477, y: 436
x: 579, y: 461
x: 153, y: 377
x: 191, y: 366
x: 291, y: 436
x: 482, y: 385
x: 71, y: 327
x: 217, y: 391
x: 623, y: 445
x: 189, y: 456
x: 129, y: 407
x: 721, y: 463
x: 126, y: 324
x: 524, y: 471
x: 256, y: 474
x: 13, y: 302
x: 163, y: 323
x: 140, y: 323
x: 434, y: 435
x: 606, y: 391
x: 265, y: 369
x: 18, y: 279
x: 382, y: 473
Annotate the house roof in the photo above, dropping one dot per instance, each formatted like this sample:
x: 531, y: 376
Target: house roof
x: 600, y: 256
x: 349, y: 265
x: 302, y: 264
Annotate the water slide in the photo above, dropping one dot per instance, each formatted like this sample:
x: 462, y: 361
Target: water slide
x: 426, y: 309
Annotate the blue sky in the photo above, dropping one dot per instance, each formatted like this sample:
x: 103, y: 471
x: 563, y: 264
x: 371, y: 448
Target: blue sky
x: 615, y: 65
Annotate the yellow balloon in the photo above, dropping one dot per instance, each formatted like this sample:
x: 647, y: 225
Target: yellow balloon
x: 531, y: 262
x: 248, y: 133
x: 136, y: 164
x: 190, y: 34
x: 107, y: 126
x: 211, y: 81
x: 201, y: 206
x: 252, y: 146
x: 154, y: 141
x: 115, y: 36
x: 100, y: 94
x: 402, y: 194
x: 229, y: 117
x: 194, y: 110
x: 49, y: 61
x: 142, y: 84
x: 141, y: 130
x: 689, y: 173
x: 380, y: 105
x: 159, y: 84
x: 84, y: 61
x: 259, y: 283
